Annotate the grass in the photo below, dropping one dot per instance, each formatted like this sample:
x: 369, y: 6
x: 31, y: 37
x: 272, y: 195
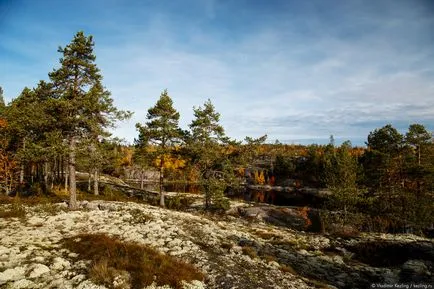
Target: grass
x: 31, y: 201
x: 226, y: 246
x: 50, y: 209
x: 139, y: 217
x: 266, y: 235
x: 110, y: 257
x: 287, y: 269
x: 250, y: 251
x: 269, y: 258
x: 15, y: 210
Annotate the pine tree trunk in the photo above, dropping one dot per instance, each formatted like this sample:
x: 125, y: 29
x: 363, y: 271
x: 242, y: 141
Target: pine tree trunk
x: 46, y: 174
x: 162, y: 204
x: 61, y: 169
x: 95, y: 183
x: 207, y: 195
x: 89, y: 180
x: 66, y: 176
x: 72, y: 183
x: 22, y: 166
x: 21, y: 174
x: 6, y: 184
x: 142, y: 179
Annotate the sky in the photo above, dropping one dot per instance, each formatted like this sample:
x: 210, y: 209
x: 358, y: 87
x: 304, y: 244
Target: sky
x: 298, y: 71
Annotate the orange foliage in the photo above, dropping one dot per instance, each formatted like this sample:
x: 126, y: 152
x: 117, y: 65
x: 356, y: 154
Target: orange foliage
x: 304, y: 213
x: 3, y: 123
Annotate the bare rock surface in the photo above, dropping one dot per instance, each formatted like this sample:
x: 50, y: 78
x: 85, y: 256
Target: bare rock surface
x: 231, y: 251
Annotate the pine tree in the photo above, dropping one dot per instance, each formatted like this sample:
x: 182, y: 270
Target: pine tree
x: 162, y: 132
x: 418, y: 137
x: 208, y: 156
x: 341, y: 179
x: 2, y: 101
x: 84, y: 107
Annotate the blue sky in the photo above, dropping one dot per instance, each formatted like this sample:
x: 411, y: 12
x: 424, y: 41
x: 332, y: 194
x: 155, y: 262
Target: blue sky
x: 298, y: 71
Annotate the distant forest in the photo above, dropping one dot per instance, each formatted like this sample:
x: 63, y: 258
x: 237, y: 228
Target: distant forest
x: 60, y: 126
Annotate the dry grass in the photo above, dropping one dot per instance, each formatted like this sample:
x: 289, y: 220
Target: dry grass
x: 50, y: 209
x: 250, y: 251
x: 110, y: 256
x: 227, y: 246
x: 287, y: 269
x: 344, y: 231
x: 13, y: 211
x: 267, y: 235
x: 31, y: 201
x: 269, y: 258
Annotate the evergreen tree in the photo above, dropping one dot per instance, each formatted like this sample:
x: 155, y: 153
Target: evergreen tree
x: 84, y: 107
x: 341, y: 179
x: 161, y: 132
x: 208, y: 156
x: 2, y: 101
x: 418, y: 137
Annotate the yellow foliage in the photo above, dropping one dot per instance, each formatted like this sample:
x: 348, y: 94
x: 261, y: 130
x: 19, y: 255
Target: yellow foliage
x: 127, y: 156
x: 170, y: 162
x: 60, y: 191
x: 259, y: 177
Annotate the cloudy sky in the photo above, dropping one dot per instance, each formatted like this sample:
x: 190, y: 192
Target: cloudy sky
x: 298, y: 71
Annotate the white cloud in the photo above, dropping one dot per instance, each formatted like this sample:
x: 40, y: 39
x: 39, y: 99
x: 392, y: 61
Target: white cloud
x: 302, y: 76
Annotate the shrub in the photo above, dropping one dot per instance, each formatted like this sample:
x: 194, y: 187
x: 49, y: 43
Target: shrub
x: 110, y: 256
x: 179, y: 203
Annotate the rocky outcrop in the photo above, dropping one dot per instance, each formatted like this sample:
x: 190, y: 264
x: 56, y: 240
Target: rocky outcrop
x: 301, y: 219
x: 239, y: 251
x: 31, y: 255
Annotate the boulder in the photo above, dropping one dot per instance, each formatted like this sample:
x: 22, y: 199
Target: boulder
x: 414, y: 271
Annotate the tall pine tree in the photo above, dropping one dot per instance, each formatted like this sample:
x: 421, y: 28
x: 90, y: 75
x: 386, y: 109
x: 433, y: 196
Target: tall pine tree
x: 84, y: 107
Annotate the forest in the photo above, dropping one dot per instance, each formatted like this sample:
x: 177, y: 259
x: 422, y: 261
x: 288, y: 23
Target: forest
x: 56, y: 132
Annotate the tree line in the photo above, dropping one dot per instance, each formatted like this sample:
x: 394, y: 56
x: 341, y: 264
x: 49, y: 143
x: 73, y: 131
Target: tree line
x: 50, y: 131
x: 44, y: 128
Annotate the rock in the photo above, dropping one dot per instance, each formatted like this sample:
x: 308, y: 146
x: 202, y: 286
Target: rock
x: 38, y: 270
x: 89, y: 285
x: 195, y: 284
x: 12, y: 274
x: 23, y: 284
x: 78, y: 279
x: 38, y: 259
x: 60, y: 264
x: 413, y: 270
x: 274, y: 264
x: 122, y: 280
